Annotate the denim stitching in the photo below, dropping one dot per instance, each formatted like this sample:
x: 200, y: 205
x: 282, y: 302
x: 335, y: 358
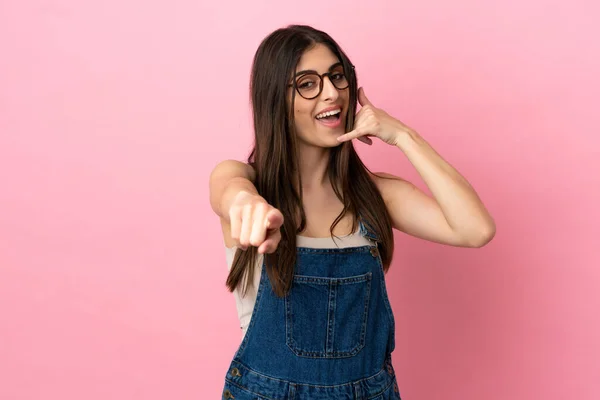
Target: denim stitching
x: 381, y: 371
x: 322, y: 280
x: 330, y: 317
x: 366, y: 315
x: 329, y: 353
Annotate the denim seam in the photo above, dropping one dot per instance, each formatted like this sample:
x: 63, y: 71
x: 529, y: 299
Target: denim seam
x: 330, y: 318
x: 352, y: 384
x: 366, y: 315
x: 382, y: 371
x: 353, y: 249
x: 339, y: 281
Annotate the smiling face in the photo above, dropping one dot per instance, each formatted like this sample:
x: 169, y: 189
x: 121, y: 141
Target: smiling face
x: 319, y: 121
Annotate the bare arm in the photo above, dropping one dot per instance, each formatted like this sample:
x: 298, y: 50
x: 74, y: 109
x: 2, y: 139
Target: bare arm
x: 227, y: 179
x: 246, y: 218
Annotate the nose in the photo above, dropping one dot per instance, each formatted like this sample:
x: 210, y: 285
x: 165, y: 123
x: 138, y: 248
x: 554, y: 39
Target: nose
x: 330, y: 92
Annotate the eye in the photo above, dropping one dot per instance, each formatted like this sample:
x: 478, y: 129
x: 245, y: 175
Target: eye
x: 305, y: 84
x: 338, y: 76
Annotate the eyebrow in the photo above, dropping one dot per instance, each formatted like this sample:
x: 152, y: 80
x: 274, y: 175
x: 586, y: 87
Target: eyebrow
x: 308, y: 71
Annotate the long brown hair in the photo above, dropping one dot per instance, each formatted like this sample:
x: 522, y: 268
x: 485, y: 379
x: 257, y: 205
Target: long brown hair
x: 275, y: 159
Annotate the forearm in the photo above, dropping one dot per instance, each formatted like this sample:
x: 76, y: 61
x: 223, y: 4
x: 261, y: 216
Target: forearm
x: 465, y: 213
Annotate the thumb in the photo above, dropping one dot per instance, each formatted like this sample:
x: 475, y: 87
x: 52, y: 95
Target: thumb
x: 274, y: 219
x: 362, y: 98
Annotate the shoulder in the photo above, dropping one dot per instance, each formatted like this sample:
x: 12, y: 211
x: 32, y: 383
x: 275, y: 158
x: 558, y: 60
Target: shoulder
x: 233, y: 169
x: 379, y: 177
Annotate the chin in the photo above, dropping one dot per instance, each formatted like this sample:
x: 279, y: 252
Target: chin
x: 333, y: 142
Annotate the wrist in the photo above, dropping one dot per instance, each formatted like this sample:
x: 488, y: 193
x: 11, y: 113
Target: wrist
x: 406, y: 138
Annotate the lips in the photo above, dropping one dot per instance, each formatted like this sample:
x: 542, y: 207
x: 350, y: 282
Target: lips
x: 331, y: 121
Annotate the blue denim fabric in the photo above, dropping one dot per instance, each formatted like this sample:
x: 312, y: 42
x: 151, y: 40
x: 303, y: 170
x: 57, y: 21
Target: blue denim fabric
x: 331, y: 337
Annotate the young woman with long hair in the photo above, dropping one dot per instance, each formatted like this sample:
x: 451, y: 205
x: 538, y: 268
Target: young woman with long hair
x: 308, y: 227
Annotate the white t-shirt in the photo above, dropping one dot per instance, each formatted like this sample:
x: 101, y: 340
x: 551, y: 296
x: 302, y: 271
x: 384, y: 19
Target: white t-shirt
x: 245, y: 304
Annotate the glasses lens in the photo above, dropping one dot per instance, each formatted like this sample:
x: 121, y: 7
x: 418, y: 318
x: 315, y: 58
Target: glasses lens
x: 338, y: 78
x: 308, y: 85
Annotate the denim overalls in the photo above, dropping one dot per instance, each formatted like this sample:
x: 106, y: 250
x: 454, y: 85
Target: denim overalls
x: 331, y: 337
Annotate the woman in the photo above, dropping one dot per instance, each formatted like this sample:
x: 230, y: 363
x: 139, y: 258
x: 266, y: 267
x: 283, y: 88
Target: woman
x: 308, y: 227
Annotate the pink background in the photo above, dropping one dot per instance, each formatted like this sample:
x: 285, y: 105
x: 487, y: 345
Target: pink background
x: 113, y: 113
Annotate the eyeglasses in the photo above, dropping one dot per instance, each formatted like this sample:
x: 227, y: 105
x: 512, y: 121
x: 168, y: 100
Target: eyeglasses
x: 309, y: 84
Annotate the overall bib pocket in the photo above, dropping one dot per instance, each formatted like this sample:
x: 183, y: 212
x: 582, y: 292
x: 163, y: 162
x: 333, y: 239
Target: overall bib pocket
x: 327, y: 317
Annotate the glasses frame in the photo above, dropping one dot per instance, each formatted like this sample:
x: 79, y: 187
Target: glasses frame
x: 321, y: 76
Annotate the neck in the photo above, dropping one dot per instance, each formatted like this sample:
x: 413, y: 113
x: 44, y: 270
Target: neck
x: 314, y: 162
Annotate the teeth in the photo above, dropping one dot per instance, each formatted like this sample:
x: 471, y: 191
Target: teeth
x: 328, y: 113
